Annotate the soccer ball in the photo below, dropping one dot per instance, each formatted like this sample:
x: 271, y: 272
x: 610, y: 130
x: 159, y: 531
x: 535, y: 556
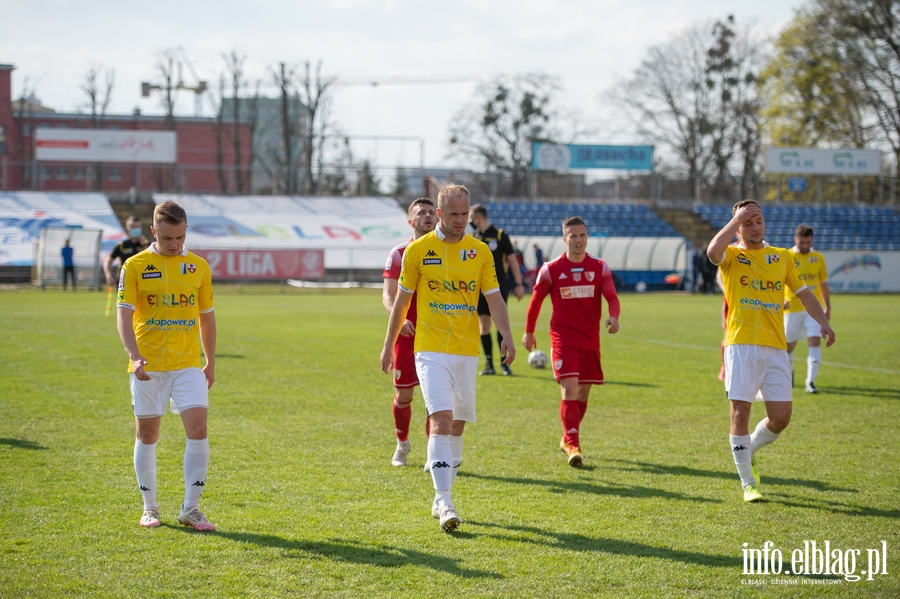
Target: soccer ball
x: 537, y: 359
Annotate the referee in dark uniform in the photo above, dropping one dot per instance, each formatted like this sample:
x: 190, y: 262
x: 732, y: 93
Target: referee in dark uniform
x: 135, y: 243
x: 505, y: 261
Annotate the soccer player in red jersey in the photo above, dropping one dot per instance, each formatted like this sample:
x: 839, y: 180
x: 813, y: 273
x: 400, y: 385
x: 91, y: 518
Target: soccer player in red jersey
x: 575, y: 282
x: 422, y: 219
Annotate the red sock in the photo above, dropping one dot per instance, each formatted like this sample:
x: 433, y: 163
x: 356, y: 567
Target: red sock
x: 402, y: 417
x: 582, y: 407
x: 570, y: 415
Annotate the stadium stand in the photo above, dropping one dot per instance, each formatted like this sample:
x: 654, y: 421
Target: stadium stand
x: 603, y: 220
x: 836, y: 227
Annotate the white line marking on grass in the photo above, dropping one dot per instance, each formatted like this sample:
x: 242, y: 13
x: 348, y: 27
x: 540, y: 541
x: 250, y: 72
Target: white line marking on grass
x: 797, y: 359
x: 870, y: 368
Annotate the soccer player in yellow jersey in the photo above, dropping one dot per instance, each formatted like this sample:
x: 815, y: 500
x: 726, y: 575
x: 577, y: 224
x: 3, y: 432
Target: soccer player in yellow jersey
x: 165, y: 314
x: 756, y: 361
x: 447, y: 269
x: 811, y: 266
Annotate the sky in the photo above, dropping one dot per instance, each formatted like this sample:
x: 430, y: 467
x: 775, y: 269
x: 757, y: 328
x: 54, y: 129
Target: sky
x: 589, y: 45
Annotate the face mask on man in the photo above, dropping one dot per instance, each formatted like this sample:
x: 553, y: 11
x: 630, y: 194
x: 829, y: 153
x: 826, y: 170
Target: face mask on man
x: 135, y: 232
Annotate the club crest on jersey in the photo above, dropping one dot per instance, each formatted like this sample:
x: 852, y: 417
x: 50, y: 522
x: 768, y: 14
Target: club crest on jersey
x: 467, y: 254
x: 188, y: 268
x: 492, y: 243
x: 576, y: 276
x: 589, y: 275
x: 772, y: 258
x: 813, y: 260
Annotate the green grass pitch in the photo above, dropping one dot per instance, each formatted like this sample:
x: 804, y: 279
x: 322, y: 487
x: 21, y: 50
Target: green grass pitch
x: 308, y: 505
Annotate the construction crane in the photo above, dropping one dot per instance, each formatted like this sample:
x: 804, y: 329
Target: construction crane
x: 199, y: 88
x: 405, y: 80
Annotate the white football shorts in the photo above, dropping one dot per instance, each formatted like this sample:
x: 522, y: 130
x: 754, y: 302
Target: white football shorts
x: 757, y: 372
x: 796, y: 322
x: 448, y: 383
x: 178, y: 389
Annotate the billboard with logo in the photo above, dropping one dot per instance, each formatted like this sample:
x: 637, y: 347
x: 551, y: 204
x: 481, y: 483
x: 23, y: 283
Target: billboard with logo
x: 24, y: 214
x: 558, y: 157
x: 823, y: 162
x: 353, y: 232
x: 863, y: 271
x: 104, y: 145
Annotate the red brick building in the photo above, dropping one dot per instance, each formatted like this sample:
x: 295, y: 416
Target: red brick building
x: 202, y: 165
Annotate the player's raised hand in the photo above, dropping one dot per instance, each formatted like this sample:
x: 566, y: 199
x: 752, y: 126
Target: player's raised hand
x: 747, y: 212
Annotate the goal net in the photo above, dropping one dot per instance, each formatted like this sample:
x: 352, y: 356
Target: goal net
x: 48, y: 261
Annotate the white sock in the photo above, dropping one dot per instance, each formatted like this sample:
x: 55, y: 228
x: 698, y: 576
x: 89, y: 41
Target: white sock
x: 196, y: 462
x: 440, y: 458
x: 145, y: 469
x: 740, y: 449
x: 812, y: 363
x: 761, y: 437
x: 456, y: 449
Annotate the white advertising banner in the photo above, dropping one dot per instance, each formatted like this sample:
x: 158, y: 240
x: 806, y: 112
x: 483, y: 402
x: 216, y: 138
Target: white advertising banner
x: 105, y: 145
x: 863, y: 271
x: 24, y: 214
x: 354, y: 232
x: 823, y: 162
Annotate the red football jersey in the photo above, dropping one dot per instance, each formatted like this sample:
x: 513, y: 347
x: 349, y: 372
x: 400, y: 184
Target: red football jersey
x: 392, y: 271
x: 575, y: 289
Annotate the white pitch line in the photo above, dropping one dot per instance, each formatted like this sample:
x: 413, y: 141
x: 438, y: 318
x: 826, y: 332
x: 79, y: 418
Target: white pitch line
x: 705, y: 348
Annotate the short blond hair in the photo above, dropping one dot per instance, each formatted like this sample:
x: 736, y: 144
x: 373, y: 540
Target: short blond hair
x: 450, y: 192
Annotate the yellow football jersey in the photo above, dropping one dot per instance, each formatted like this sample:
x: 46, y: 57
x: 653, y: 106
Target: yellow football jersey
x: 812, y: 271
x: 167, y: 294
x: 448, y: 278
x: 755, y: 282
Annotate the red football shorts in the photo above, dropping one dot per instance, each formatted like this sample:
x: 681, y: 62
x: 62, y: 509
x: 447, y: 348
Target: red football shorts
x: 405, y: 362
x: 573, y: 362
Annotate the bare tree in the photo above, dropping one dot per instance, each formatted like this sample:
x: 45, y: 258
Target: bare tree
x: 24, y: 111
x: 732, y: 74
x: 496, y: 130
x: 304, y: 125
x: 668, y: 100
x: 219, y: 136
x: 98, y: 99
x: 239, y: 110
x: 315, y: 99
x: 696, y: 97
x: 285, y: 157
x: 165, y: 66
